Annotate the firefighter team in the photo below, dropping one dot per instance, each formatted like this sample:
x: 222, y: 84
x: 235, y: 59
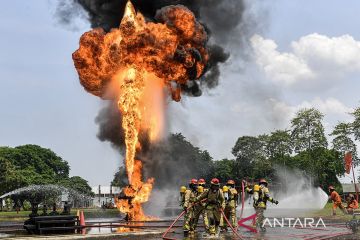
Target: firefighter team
x: 352, y: 203
x: 213, y: 203
x: 217, y: 205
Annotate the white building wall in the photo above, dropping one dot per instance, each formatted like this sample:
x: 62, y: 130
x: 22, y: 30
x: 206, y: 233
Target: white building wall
x: 104, y: 194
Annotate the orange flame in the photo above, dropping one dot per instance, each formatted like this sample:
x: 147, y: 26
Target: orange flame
x: 136, y: 194
x: 129, y: 105
x: 133, y: 103
x: 132, y: 65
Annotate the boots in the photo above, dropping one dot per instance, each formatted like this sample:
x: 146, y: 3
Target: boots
x: 186, y: 234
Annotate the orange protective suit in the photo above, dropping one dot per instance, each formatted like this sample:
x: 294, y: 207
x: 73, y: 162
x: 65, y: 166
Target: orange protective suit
x: 335, y: 197
x: 353, y: 204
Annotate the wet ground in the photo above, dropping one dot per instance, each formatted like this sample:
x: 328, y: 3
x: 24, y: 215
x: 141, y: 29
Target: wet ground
x: 116, y: 228
x: 154, y: 230
x: 331, y: 231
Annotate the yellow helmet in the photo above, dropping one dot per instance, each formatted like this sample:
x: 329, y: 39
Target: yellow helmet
x: 200, y: 189
x: 225, y: 188
x: 256, y: 188
x: 182, y: 189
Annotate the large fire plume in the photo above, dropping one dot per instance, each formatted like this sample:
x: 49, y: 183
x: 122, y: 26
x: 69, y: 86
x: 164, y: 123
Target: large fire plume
x: 136, y: 65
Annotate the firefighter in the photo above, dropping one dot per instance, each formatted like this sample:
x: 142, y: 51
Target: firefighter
x: 231, y: 199
x: 182, y: 196
x: 215, y: 203
x: 255, y: 191
x: 189, y: 200
x: 223, y: 223
x: 261, y: 195
x: 200, y: 207
x: 249, y: 189
x: 336, y: 199
x: 352, y: 204
x: 202, y: 183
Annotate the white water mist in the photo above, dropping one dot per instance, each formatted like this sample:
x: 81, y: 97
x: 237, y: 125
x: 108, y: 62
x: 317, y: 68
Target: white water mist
x: 295, y: 192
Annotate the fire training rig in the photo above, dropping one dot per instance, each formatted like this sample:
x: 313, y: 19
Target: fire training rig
x: 129, y: 198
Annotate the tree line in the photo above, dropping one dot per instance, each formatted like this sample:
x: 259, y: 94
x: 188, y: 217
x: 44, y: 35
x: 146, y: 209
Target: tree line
x: 303, y: 146
x: 33, y: 165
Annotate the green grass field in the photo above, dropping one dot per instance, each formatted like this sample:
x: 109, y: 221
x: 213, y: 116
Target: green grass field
x: 326, y: 213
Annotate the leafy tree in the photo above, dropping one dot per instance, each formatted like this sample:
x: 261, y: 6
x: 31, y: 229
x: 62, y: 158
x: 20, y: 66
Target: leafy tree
x: 9, y: 178
x: 307, y: 130
x: 78, y: 184
x: 224, y: 170
x: 13, y: 177
x: 279, y: 144
x: 356, y: 123
x: 120, y: 178
x: 40, y: 160
x: 263, y: 169
x: 31, y: 164
x: 251, y: 158
x: 245, y: 150
x: 323, y: 164
x: 342, y: 141
x: 207, y: 160
x: 248, y: 147
x: 307, y: 134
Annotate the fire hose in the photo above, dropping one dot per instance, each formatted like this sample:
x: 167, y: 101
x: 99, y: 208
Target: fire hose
x: 242, y: 198
x: 166, y: 232
x: 222, y: 212
x: 240, y: 222
x: 181, y: 214
x: 353, y: 224
x: 230, y: 225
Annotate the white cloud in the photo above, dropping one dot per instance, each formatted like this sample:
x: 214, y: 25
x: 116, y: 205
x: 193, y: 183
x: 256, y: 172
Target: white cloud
x: 320, y: 51
x: 313, y: 58
x: 281, y: 67
x: 333, y: 109
x: 247, y: 103
x: 328, y: 106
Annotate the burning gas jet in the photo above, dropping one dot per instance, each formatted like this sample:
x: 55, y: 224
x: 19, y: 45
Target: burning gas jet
x: 136, y: 65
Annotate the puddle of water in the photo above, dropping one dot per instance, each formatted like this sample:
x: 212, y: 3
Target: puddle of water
x: 4, y: 235
x: 107, y: 230
x: 271, y: 234
x: 115, y: 219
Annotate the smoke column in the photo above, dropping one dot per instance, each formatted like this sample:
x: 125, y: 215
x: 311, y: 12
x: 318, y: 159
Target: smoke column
x: 221, y: 20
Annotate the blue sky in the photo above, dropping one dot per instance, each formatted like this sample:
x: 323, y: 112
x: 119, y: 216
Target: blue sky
x: 42, y: 102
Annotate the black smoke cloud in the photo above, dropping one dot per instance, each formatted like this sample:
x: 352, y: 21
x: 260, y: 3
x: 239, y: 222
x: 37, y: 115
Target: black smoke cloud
x: 172, y: 160
x: 220, y: 18
x: 110, y: 129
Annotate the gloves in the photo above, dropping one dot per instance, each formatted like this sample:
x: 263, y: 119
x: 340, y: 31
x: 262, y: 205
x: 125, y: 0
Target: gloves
x: 276, y: 202
x: 185, y: 209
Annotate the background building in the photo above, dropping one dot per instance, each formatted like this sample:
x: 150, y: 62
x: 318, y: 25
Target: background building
x: 349, y: 188
x: 104, y: 195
